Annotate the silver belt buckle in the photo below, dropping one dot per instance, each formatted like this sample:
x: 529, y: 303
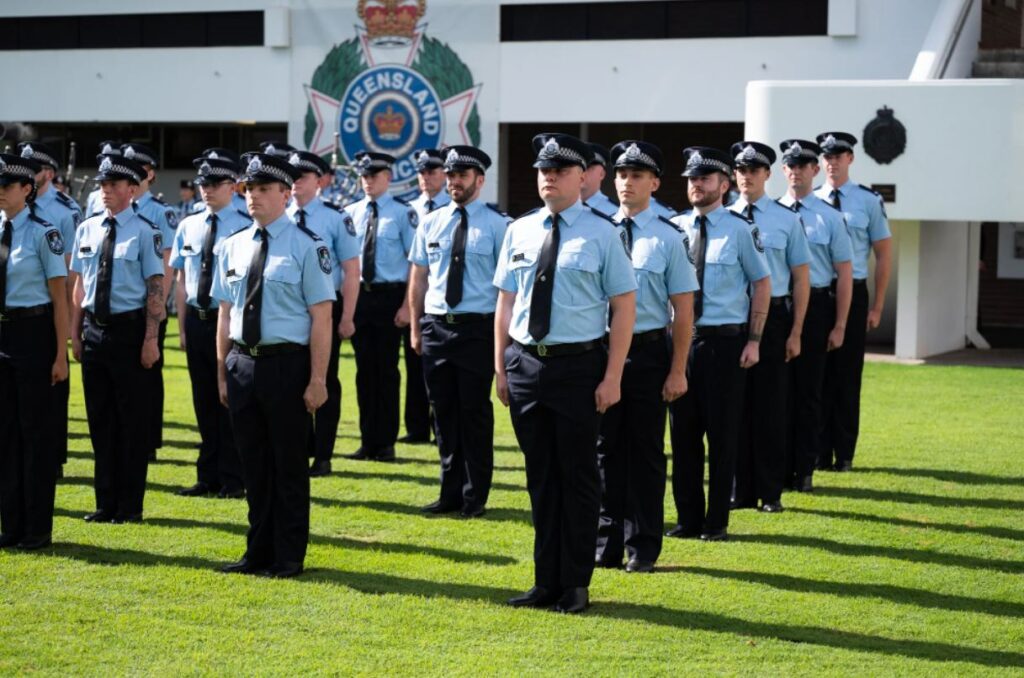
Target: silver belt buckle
x: 449, y: 318
x: 542, y: 350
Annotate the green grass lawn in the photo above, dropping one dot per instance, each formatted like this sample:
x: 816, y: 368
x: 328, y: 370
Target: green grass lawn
x: 912, y: 564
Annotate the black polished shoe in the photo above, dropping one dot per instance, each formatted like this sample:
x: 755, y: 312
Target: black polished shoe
x: 410, y: 439
x: 227, y: 493
x: 573, y: 601
x: 362, y: 454
x: 844, y: 466
x: 200, y: 489
x: 680, y: 532
x: 715, y: 535
x: 122, y: 518
x: 284, y: 570
x: 771, y: 507
x: 472, y: 511
x: 824, y: 466
x: 438, y: 507
x: 385, y: 454
x: 9, y: 541
x: 243, y: 566
x: 320, y: 469
x: 538, y: 596
x: 739, y: 505
x: 635, y: 565
x: 35, y: 543
x: 608, y: 563
x: 100, y: 516
x: 805, y: 484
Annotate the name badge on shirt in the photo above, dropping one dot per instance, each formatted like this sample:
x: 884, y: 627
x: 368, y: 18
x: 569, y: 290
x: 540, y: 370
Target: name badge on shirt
x: 187, y: 248
x: 519, y: 257
x: 433, y: 245
x: 230, y: 273
x: 85, y: 249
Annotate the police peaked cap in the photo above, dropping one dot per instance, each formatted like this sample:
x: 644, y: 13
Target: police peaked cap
x: 799, y: 151
x: 752, y: 154
x: 264, y: 168
x: 601, y: 155
x: 700, y: 161
x: 144, y: 155
x: 836, y: 142
x: 41, y: 153
x: 305, y: 161
x: 214, y: 170
x: 278, y: 148
x: 369, y: 162
x: 113, y: 167
x: 637, y: 155
x: 428, y: 158
x: 219, y: 152
x: 16, y: 169
x: 465, y: 157
x: 561, y: 150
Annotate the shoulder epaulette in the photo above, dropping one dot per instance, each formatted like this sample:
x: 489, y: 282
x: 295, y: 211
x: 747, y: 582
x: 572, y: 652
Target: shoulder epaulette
x: 528, y: 213
x: 330, y: 205
x: 791, y: 208
x: 241, y: 230
x: 837, y: 209
x: 42, y: 222
x: 496, y: 209
x: 870, y: 190
x: 403, y: 202
x: 245, y: 214
x: 159, y: 201
x: 305, y: 229
x: 95, y: 214
x: 740, y: 216
x: 817, y: 188
x: 66, y: 201
x: 602, y: 215
x: 152, y: 225
x: 674, y: 226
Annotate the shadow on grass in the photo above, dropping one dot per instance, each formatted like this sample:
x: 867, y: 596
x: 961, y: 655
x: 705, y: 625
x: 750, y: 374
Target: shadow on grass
x: 380, y: 584
x: 913, y: 498
x: 960, y: 477
x: 894, y: 594
x: 88, y: 482
x: 956, y: 528
x: 409, y: 478
x: 437, y: 463
x: 503, y: 514
x: 880, y: 551
x: 159, y: 462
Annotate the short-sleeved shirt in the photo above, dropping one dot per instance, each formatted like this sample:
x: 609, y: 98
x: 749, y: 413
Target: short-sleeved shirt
x: 662, y: 266
x: 421, y: 203
x: 36, y: 256
x: 60, y: 210
x: 335, y: 228
x: 138, y: 256
x: 864, y: 211
x: 602, y: 203
x: 160, y: 213
x: 93, y: 203
x: 782, y: 235
x: 591, y: 267
x: 827, y: 239
x: 432, y: 248
x: 187, y: 252
x: 396, y: 224
x: 733, y: 260
x: 296, y: 276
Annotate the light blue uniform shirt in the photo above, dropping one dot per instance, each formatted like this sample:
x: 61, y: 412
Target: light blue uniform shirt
x: 864, y: 211
x: 60, y: 210
x: 420, y: 202
x: 238, y: 200
x: 160, y: 213
x: 591, y: 267
x: 93, y: 203
x: 186, y: 254
x: 602, y: 203
x: 296, y: 275
x: 335, y: 228
x: 37, y: 255
x: 827, y: 238
x: 396, y: 224
x: 138, y: 256
x: 661, y: 209
x: 782, y: 235
x: 432, y: 248
x: 661, y: 265
x: 733, y: 260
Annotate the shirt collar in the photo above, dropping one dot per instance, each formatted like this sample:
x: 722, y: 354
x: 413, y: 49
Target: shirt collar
x: 222, y: 212
x: 19, y: 218
x: 642, y: 219
x: 47, y: 195
x: 714, y: 216
x: 762, y: 203
x: 569, y: 215
x: 382, y: 200
x: 144, y: 198
x: 276, y: 227
x: 123, y: 216
x: 842, y: 189
x: 471, y: 207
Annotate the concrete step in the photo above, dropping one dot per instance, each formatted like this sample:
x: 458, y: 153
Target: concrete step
x: 997, y: 69
x: 1001, y: 55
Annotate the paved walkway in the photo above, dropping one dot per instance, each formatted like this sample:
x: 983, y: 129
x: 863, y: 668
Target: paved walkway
x: 970, y: 357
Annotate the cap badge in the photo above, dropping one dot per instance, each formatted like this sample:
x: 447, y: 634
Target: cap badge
x: 749, y: 153
x: 205, y: 169
x: 27, y: 152
x: 633, y: 152
x: 551, y: 149
x: 829, y: 141
x: 213, y: 155
x: 294, y: 159
x: 107, y: 148
x: 423, y: 157
x: 129, y: 153
x: 696, y: 158
x: 270, y: 149
x: 453, y: 157
x: 106, y: 165
x: 255, y: 165
x: 794, y: 150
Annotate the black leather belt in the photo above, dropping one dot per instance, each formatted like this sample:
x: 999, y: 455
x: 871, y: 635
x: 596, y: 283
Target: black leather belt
x: 779, y: 301
x: 269, y: 349
x: 205, y: 314
x: 382, y: 286
x: 734, y: 330
x: 557, y: 350
x: 116, y: 318
x: 23, y: 312
x: 860, y: 282
x: 821, y: 291
x: 461, y: 318
x: 648, y: 337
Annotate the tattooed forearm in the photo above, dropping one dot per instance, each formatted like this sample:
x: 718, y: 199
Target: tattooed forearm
x: 154, y: 306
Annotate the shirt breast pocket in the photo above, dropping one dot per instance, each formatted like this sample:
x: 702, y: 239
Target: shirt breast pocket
x: 389, y: 242
x: 436, y: 247
x: 522, y: 267
x: 233, y: 280
x: 579, y: 270
x: 480, y: 243
x: 817, y: 234
x: 720, y: 257
x: 649, y: 267
x: 773, y: 240
x: 282, y: 271
x: 128, y: 250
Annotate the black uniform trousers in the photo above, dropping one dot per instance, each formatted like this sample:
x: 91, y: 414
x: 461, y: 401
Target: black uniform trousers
x: 271, y: 425
x: 458, y: 366
x: 28, y: 443
x: 419, y: 419
x: 325, y: 421
x: 118, y: 407
x: 155, y: 398
x: 556, y: 423
x: 62, y: 393
x: 712, y: 405
x: 841, y: 399
x: 218, y: 465
x: 631, y: 459
x: 808, y: 373
x: 764, y: 430
x: 376, y: 343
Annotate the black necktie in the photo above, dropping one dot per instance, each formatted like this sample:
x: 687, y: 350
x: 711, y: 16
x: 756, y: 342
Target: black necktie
x: 453, y: 292
x: 370, y: 245
x: 797, y: 205
x: 254, y: 292
x: 302, y: 218
x: 544, y: 284
x: 628, y: 223
x: 5, y: 255
x: 430, y: 205
x: 702, y: 250
x: 206, y: 264
x: 750, y: 212
x: 835, y: 199
x: 105, y: 276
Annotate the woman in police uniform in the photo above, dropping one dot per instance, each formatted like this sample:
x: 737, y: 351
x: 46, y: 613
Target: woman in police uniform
x: 33, y: 357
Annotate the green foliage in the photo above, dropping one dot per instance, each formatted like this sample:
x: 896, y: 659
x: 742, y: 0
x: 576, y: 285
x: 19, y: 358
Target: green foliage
x: 332, y: 76
x: 440, y: 65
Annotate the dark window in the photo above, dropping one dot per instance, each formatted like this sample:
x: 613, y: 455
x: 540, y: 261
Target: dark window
x: 658, y: 19
x: 105, y: 31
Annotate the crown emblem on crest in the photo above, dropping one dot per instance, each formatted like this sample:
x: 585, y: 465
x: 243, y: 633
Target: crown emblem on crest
x: 423, y: 157
x: 106, y: 165
x: 795, y: 149
x: 829, y: 141
x: 294, y: 159
x: 255, y: 165
x: 749, y: 153
x: 107, y: 148
x: 27, y: 151
x: 129, y: 153
x: 453, y: 156
x: 696, y: 158
x: 213, y: 155
x: 391, y: 23
x: 389, y: 124
x: 551, y: 149
x: 633, y: 152
x: 205, y: 169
